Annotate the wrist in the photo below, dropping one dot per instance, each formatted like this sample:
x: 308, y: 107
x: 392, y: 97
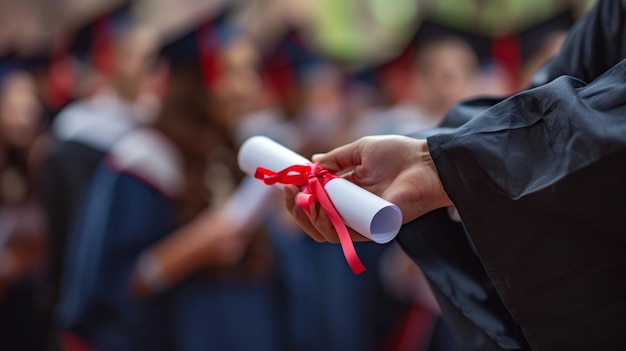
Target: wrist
x: 150, y: 273
x: 439, y: 197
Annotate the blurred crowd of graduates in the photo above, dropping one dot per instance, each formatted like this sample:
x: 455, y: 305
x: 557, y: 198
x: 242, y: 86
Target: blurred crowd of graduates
x: 310, y: 74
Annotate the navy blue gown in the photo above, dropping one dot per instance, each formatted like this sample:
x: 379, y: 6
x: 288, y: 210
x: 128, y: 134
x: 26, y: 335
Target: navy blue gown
x: 129, y: 207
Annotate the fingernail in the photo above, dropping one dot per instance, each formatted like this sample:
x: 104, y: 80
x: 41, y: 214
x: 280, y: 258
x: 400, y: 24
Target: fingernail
x: 316, y: 156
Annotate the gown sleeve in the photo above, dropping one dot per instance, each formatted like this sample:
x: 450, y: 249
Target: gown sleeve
x: 466, y: 295
x: 539, y: 181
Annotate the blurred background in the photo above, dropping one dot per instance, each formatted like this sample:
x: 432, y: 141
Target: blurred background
x: 79, y: 76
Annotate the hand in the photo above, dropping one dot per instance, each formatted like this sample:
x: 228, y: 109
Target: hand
x: 209, y: 240
x: 217, y: 240
x: 396, y: 168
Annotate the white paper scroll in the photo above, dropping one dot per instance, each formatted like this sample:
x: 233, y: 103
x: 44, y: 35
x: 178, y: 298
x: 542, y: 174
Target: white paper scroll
x: 247, y: 206
x: 368, y: 214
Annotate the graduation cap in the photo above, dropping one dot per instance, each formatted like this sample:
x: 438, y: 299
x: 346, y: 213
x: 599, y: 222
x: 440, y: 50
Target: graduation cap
x: 288, y: 63
x: 365, y: 76
x: 8, y: 64
x: 430, y: 30
x: 57, y: 91
x: 93, y: 43
x: 202, y: 45
x: 391, y: 77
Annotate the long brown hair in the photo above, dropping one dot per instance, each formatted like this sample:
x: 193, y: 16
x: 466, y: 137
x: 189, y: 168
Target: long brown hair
x: 190, y: 119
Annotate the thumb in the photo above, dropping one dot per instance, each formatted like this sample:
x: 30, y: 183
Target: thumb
x: 341, y: 158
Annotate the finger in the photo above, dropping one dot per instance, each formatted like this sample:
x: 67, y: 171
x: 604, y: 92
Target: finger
x: 305, y: 224
x: 322, y: 230
x: 323, y: 224
x: 326, y: 228
x: 358, y: 175
x: 356, y: 236
x: 343, y: 157
x: 138, y: 287
x: 231, y: 251
x: 291, y: 192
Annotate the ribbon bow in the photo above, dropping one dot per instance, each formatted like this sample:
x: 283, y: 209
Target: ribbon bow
x: 312, y: 178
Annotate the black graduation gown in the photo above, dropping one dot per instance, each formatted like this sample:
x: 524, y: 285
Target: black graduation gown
x: 538, y: 182
x: 69, y: 166
x: 466, y: 295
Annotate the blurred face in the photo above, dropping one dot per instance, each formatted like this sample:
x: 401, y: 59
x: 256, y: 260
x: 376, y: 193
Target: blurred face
x: 445, y: 76
x: 239, y: 90
x: 135, y: 63
x: 20, y: 110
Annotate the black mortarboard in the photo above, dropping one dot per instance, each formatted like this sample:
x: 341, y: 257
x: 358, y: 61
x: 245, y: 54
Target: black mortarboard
x: 93, y: 43
x: 201, y: 45
x: 287, y: 63
x: 430, y: 30
x: 8, y: 64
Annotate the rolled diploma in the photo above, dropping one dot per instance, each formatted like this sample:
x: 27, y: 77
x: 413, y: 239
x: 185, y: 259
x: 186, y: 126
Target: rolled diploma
x: 368, y: 214
x: 247, y: 206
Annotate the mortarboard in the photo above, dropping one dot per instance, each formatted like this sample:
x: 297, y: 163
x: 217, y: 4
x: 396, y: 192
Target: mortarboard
x: 8, y: 64
x: 288, y: 63
x: 202, y: 45
x: 93, y: 43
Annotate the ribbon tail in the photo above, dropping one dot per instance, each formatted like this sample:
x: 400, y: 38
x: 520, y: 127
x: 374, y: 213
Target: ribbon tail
x: 347, y: 246
x: 305, y: 201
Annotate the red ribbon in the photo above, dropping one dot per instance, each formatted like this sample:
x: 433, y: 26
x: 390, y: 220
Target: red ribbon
x: 312, y: 178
